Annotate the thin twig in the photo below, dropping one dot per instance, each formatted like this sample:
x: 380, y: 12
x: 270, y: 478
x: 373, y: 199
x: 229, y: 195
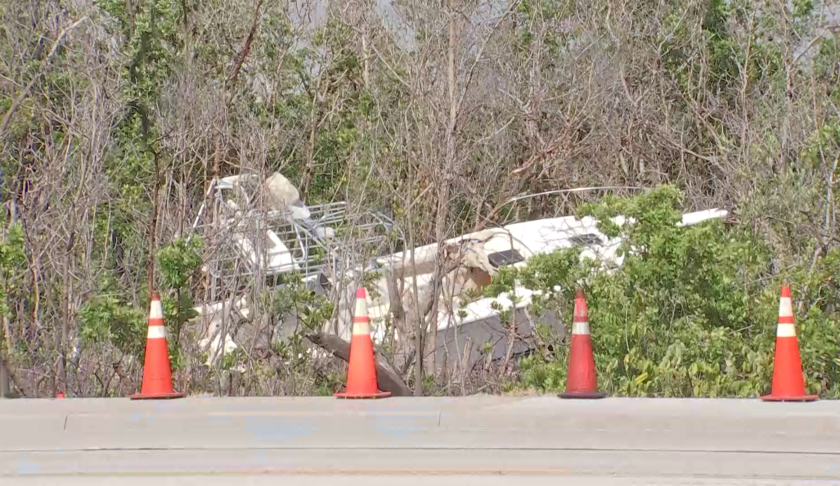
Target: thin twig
x: 7, y: 117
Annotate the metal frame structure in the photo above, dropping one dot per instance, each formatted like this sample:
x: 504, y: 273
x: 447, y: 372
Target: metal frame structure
x: 248, y: 240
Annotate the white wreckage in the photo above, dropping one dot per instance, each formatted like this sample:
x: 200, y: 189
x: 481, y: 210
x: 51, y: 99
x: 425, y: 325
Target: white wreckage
x: 466, y: 321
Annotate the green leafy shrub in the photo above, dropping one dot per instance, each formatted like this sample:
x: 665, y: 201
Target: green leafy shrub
x: 178, y: 261
x: 12, y: 257
x: 296, y: 299
x: 106, y: 319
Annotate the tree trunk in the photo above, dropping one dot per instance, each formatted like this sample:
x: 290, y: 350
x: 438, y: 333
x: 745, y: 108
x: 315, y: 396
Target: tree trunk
x: 443, y: 191
x: 150, y: 258
x: 5, y: 389
x: 366, y: 56
x: 418, y: 317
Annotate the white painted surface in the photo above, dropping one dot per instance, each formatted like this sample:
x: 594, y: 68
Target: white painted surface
x: 529, y: 239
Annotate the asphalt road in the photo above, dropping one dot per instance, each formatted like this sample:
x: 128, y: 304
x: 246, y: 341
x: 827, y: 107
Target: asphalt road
x: 406, y: 441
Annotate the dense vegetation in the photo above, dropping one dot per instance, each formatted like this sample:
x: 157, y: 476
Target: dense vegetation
x: 116, y: 116
x: 690, y: 312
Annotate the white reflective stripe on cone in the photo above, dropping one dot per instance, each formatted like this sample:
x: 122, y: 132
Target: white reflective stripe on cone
x: 785, y: 307
x: 361, y: 308
x: 361, y: 328
x: 786, y: 330
x: 580, y: 328
x: 156, y: 332
x: 156, y: 311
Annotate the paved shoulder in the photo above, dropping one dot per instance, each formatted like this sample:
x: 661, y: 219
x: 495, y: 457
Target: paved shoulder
x: 536, y: 438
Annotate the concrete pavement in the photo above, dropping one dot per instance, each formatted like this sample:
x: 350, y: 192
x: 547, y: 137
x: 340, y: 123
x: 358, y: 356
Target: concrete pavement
x: 455, y: 440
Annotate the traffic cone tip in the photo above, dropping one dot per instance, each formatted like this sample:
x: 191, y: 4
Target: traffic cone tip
x: 361, y: 293
x: 581, y: 315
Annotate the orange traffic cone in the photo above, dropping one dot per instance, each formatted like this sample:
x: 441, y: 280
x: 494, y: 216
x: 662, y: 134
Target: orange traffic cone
x: 361, y: 372
x: 582, y: 381
x: 157, y: 376
x: 788, y: 380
